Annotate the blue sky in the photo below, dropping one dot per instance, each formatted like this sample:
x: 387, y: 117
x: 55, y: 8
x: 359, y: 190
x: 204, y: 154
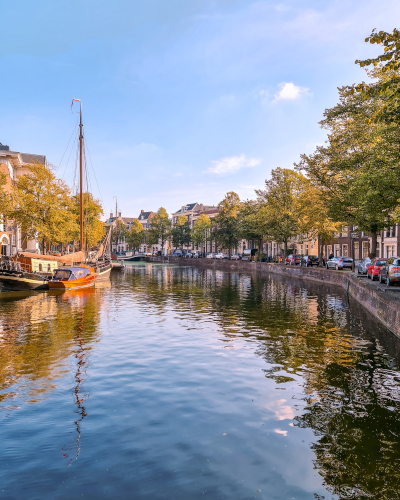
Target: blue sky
x: 183, y: 100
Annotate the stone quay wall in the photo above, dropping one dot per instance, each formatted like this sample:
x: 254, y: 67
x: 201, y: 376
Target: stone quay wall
x: 384, y: 307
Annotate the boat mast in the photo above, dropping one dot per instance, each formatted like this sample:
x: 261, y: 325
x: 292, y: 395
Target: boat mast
x: 81, y: 175
x: 116, y: 224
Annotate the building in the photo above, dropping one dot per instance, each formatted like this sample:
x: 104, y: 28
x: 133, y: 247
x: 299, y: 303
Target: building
x: 13, y: 164
x: 122, y: 245
x: 191, y: 211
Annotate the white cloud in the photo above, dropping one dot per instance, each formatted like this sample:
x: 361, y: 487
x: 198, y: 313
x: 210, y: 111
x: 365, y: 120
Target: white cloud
x: 231, y: 164
x: 288, y: 91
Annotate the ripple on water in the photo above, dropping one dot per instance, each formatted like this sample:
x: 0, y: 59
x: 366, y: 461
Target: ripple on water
x: 181, y: 383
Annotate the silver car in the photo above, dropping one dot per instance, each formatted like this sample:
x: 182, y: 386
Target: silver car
x: 362, y: 266
x: 339, y: 263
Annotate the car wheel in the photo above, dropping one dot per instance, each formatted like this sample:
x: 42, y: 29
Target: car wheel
x: 337, y: 267
x: 380, y: 278
x: 388, y: 281
x: 358, y: 271
x: 373, y: 277
x: 327, y: 267
x: 368, y: 276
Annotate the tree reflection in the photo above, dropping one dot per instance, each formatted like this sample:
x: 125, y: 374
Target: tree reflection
x: 351, y: 383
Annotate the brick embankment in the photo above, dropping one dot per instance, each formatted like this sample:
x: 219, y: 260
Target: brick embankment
x: 382, y: 304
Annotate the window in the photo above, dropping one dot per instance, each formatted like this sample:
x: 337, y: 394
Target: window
x: 356, y: 250
x: 378, y: 251
x: 337, y: 250
x: 301, y: 249
x: 306, y: 249
x: 329, y: 250
x: 389, y: 251
x: 345, y: 231
x: 365, y: 249
x: 345, y: 251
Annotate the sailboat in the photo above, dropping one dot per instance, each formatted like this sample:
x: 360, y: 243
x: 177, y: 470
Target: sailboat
x: 69, y: 278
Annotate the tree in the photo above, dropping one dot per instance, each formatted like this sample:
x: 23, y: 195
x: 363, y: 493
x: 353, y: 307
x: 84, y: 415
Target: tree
x: 121, y: 231
x: 358, y: 168
x: 5, y: 199
x: 314, y: 220
x: 228, y: 231
x: 160, y: 227
x: 43, y: 206
x: 252, y: 222
x: 134, y: 236
x: 278, y: 201
x: 200, y: 228
x: 93, y: 227
x: 181, y: 234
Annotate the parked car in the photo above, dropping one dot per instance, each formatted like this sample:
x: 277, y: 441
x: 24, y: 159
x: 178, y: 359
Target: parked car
x: 309, y: 260
x: 279, y: 258
x: 177, y: 254
x: 339, y: 263
x: 363, y: 265
x: 219, y: 255
x: 293, y: 260
x: 188, y: 255
x: 236, y: 256
x: 210, y: 255
x: 226, y: 256
x: 195, y: 255
x: 373, y: 270
x: 389, y: 272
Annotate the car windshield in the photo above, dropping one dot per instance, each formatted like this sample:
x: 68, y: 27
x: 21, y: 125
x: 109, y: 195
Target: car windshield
x: 380, y: 262
x: 336, y: 258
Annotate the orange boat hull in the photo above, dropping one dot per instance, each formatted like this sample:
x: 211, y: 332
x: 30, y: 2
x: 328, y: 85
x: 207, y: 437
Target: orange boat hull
x: 73, y: 284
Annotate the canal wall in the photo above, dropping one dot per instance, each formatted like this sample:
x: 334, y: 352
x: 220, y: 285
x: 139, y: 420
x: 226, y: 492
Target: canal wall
x: 375, y: 299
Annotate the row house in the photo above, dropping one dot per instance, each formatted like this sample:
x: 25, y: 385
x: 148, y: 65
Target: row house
x: 14, y: 164
x: 191, y: 211
x: 121, y: 245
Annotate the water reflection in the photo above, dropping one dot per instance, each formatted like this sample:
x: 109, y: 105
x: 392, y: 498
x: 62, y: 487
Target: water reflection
x: 343, y: 361
x: 199, y: 381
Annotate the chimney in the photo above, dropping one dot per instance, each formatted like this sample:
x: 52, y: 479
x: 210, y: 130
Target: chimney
x: 119, y: 214
x: 111, y: 215
x: 142, y: 211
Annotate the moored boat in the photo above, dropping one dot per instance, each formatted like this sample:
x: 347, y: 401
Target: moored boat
x: 70, y: 278
x: 33, y: 275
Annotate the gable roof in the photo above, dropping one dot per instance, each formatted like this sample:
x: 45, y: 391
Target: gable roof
x: 29, y: 158
x: 144, y: 215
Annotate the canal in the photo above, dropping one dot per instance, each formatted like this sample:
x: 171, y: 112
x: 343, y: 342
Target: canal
x: 175, y: 382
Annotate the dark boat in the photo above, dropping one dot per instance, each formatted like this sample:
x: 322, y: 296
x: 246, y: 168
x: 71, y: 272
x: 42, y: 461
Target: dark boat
x: 18, y: 275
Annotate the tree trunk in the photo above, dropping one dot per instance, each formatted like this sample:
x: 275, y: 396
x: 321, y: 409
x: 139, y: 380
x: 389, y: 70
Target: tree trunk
x: 285, y: 242
x: 321, y: 252
x: 374, y: 236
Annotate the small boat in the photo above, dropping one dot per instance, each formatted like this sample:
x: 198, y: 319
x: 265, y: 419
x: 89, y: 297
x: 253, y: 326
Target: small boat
x: 20, y: 273
x: 70, y: 278
x: 118, y: 266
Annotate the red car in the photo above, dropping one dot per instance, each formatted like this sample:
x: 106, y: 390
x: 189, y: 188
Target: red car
x: 293, y: 260
x: 374, y: 268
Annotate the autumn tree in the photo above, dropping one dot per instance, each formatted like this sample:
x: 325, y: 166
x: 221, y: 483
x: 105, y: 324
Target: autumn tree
x: 252, y: 222
x: 93, y: 227
x: 278, y: 205
x: 160, y: 227
x: 134, y: 236
x: 358, y: 166
x: 228, y: 231
x: 43, y: 206
x: 5, y: 199
x: 181, y: 234
x: 200, y: 228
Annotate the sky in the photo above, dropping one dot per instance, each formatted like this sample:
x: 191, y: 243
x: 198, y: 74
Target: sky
x: 183, y: 100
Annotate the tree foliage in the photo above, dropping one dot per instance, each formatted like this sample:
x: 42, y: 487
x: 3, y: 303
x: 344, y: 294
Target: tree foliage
x: 5, y: 200
x: 358, y: 167
x: 93, y: 228
x: 134, y: 236
x: 181, y: 234
x: 228, y: 231
x: 200, y: 228
x: 279, y: 205
x: 43, y: 206
x: 160, y: 227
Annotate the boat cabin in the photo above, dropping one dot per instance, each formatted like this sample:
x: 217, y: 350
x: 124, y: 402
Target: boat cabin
x: 70, y: 273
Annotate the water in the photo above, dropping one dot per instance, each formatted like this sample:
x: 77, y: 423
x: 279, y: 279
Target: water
x: 180, y: 383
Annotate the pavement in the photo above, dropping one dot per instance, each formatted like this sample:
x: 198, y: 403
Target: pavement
x: 392, y: 292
